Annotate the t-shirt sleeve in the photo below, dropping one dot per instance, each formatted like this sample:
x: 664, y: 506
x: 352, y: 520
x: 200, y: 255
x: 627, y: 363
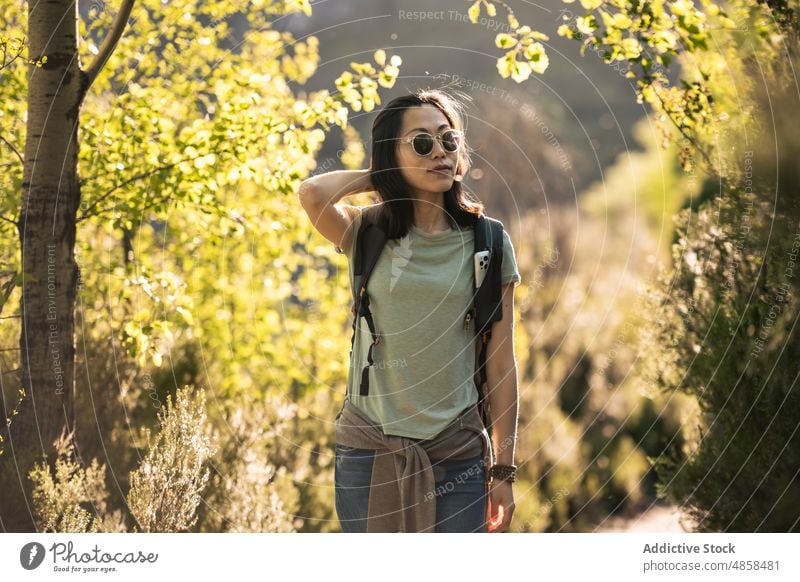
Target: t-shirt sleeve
x: 509, y: 271
x: 349, y: 249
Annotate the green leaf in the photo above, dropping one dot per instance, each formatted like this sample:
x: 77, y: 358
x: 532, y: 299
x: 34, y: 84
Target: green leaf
x: 504, y: 40
x: 474, y: 12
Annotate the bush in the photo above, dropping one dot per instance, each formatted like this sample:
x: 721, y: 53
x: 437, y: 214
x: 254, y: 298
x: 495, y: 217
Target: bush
x: 728, y: 333
x: 728, y: 339
x: 248, y: 493
x: 165, y: 489
x: 72, y: 499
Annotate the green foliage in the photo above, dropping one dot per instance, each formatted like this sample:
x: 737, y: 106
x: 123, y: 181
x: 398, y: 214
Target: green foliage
x: 144, y: 334
x: 525, y: 53
x: 362, y: 92
x: 646, y: 40
x: 706, y: 39
x: 722, y: 326
x: 727, y: 337
x: 193, y: 254
x: 13, y: 106
x: 193, y: 140
x: 166, y: 488
x: 228, y: 121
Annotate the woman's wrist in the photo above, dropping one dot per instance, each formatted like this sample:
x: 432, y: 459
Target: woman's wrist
x: 504, y: 445
x: 501, y: 472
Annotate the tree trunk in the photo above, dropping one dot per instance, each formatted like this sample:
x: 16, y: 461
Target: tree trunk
x: 50, y: 200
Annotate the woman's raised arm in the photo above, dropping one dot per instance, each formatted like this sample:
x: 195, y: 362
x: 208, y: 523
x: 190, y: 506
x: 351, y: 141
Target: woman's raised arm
x: 319, y: 196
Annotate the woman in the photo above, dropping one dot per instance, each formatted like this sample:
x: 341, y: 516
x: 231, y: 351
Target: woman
x: 413, y: 454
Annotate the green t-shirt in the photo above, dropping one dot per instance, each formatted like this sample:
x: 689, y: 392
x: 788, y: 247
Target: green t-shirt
x: 420, y: 291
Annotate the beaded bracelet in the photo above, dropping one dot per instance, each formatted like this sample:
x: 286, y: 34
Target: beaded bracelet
x: 503, y: 472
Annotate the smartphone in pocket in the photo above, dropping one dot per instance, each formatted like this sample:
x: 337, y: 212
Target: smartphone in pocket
x: 481, y: 260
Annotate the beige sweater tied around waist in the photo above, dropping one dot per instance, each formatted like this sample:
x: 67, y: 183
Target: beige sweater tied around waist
x: 401, y: 495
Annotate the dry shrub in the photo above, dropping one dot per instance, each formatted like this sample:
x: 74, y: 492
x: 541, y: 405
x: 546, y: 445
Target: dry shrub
x: 249, y: 493
x: 73, y: 498
x: 166, y: 488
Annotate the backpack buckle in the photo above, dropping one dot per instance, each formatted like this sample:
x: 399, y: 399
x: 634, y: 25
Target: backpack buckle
x: 468, y: 319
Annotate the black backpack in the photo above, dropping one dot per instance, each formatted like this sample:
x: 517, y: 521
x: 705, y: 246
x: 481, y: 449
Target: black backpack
x: 487, y: 305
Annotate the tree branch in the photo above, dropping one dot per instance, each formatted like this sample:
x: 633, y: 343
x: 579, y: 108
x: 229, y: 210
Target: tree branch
x: 4, y: 43
x: 9, y: 220
x: 21, y: 161
x: 686, y: 136
x: 88, y: 212
x: 13, y: 149
x: 109, y: 42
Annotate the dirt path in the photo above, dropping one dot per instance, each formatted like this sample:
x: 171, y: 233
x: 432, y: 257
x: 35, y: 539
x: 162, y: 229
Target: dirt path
x: 657, y: 518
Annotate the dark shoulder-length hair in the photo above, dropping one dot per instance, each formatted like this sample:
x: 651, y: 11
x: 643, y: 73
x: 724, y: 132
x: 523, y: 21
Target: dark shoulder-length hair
x: 398, y: 209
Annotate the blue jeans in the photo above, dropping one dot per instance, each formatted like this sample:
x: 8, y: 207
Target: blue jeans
x: 460, y: 492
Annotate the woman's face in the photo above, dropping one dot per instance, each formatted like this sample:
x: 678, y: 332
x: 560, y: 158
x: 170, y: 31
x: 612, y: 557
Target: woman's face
x: 417, y: 170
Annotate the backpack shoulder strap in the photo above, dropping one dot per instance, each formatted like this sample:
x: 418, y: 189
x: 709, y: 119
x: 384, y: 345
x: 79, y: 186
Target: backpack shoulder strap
x: 488, y: 298
x: 370, y: 240
x: 487, y: 307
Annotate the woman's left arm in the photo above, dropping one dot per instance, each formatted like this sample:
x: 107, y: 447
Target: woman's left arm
x: 501, y: 376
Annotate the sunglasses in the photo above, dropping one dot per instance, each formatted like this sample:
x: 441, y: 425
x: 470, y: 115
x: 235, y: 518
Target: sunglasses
x: 422, y: 142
